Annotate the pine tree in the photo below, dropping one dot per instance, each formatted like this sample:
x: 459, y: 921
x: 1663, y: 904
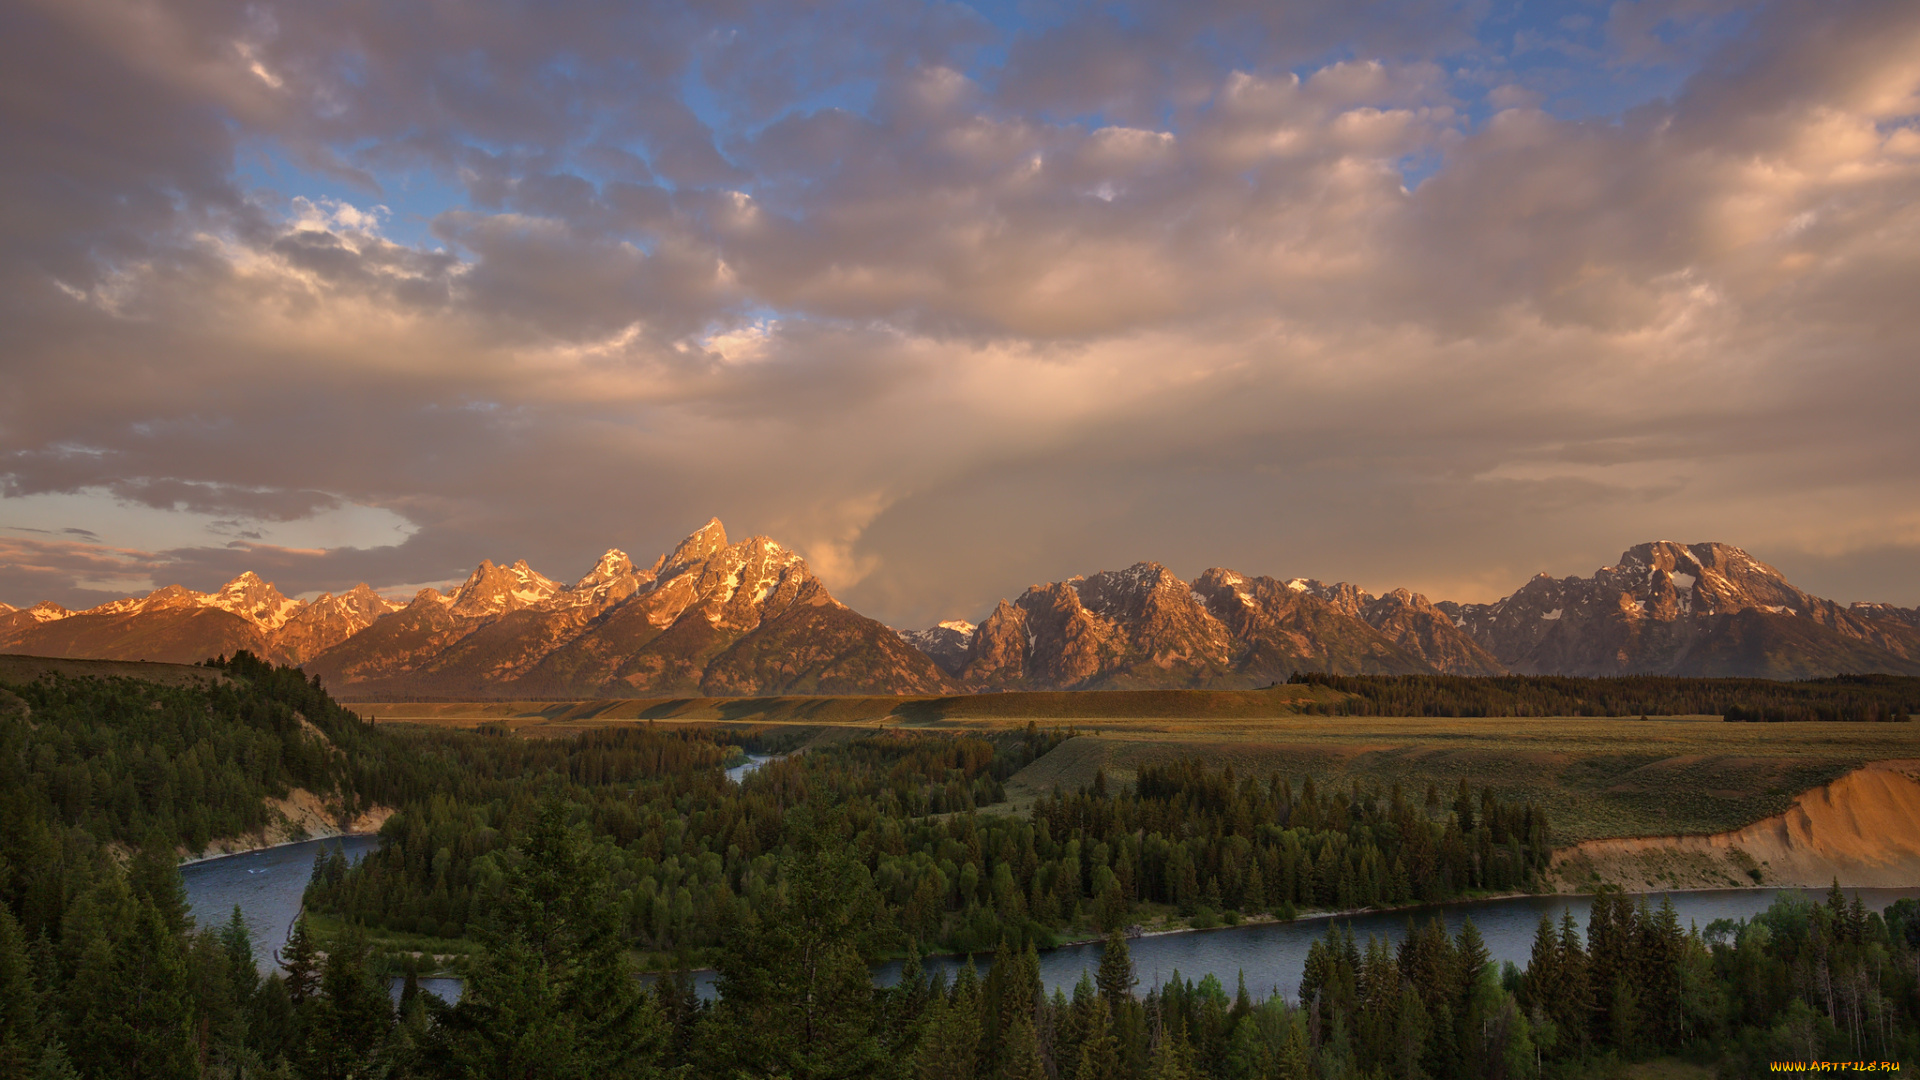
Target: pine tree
x: 1661, y: 947
x: 1172, y: 1058
x: 1544, y: 982
x: 238, y: 946
x: 1605, y: 961
x: 796, y: 996
x: 154, y: 877
x: 54, y: 1063
x: 1023, y: 1061
x: 1117, y: 978
x: 1470, y: 1006
x: 300, y: 958
x: 1463, y: 803
x: 1572, y: 1009
x: 552, y: 997
x: 1100, y: 1050
x: 951, y: 1047
x: 141, y: 1028
x: 992, y: 1007
x: 19, y: 1037
x: 1856, y: 921
x: 348, y: 1019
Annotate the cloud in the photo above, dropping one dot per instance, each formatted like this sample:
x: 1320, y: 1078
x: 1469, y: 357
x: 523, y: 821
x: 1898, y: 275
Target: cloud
x: 954, y: 306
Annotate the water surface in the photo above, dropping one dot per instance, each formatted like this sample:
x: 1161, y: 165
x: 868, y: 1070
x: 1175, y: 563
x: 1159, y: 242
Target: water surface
x: 739, y: 772
x: 267, y: 884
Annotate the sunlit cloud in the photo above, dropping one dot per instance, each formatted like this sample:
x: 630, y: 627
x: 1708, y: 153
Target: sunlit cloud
x: 954, y: 306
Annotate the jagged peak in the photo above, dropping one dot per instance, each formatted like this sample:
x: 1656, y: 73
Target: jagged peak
x: 492, y: 589
x: 702, y: 543
x: 958, y: 626
x: 613, y: 566
x: 254, y: 600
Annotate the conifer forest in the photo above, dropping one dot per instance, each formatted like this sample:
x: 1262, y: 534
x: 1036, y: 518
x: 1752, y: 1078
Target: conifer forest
x: 572, y: 884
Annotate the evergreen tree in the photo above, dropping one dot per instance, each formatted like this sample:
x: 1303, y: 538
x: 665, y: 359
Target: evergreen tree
x: 54, y: 1064
x: 271, y: 1019
x: 1471, y: 998
x: 1022, y: 1052
x: 19, y: 1034
x: 300, y: 958
x: 140, y: 1024
x: 1171, y: 1058
x: 1661, y: 947
x: 1116, y: 979
x: 552, y: 997
x: 346, y: 1023
x: 950, y: 1048
x: 1572, y: 1008
x: 1100, y: 1049
x: 238, y: 947
x: 796, y: 997
x: 1544, y: 982
x: 154, y: 876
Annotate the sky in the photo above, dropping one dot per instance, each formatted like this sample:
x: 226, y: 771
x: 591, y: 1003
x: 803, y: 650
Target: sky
x: 956, y: 298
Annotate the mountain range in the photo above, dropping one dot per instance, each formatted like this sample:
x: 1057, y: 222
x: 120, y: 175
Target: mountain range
x: 719, y: 618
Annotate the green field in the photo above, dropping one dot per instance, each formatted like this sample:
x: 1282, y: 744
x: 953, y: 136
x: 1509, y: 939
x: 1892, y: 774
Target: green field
x: 1596, y: 777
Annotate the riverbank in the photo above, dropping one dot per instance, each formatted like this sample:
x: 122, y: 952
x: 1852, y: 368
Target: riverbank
x: 1862, y: 829
x: 300, y: 817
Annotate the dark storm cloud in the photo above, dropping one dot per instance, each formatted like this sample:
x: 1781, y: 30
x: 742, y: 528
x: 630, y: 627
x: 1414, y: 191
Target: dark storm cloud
x: 955, y: 305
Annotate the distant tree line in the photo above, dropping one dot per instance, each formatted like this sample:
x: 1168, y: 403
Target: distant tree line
x: 1869, y: 698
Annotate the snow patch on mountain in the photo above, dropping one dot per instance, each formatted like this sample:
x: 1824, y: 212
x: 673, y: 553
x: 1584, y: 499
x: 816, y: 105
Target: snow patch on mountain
x: 47, y: 611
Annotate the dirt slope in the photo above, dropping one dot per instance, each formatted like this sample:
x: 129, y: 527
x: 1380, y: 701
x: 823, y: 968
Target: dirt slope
x: 1863, y: 828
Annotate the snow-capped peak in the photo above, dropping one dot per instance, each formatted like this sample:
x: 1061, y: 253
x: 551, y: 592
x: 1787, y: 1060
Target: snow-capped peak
x: 611, y: 565
x: 958, y: 626
x: 496, y: 590
x: 254, y: 600
x: 46, y: 611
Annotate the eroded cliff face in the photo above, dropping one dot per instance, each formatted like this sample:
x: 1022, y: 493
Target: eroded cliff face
x: 1860, y: 829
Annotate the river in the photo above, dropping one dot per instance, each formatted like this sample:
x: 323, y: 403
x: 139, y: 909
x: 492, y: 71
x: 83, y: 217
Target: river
x: 268, y: 885
x: 739, y: 772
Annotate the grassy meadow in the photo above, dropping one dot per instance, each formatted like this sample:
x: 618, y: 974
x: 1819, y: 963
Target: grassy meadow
x: 1596, y: 777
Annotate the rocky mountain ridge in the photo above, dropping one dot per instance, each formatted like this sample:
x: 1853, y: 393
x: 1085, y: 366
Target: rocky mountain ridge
x: 714, y: 617
x: 175, y: 624
x: 1144, y: 627
x: 1688, y: 609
